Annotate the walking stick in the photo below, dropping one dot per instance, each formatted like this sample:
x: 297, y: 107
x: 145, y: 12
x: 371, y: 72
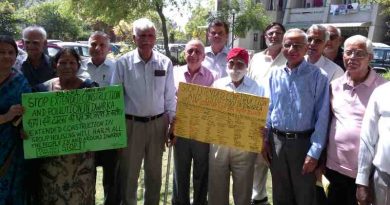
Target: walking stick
x: 168, y: 170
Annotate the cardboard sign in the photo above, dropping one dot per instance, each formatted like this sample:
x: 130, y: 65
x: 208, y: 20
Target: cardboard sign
x: 221, y: 117
x: 76, y: 121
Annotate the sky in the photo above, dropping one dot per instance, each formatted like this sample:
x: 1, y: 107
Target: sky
x: 181, y: 17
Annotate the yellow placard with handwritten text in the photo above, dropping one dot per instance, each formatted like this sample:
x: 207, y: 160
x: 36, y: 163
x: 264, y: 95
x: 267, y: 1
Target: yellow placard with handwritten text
x: 220, y: 117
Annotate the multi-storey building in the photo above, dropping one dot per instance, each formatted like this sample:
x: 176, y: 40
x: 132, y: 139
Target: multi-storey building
x: 348, y: 15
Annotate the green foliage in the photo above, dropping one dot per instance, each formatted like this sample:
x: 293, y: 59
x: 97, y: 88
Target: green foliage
x: 195, y: 26
x: 247, y: 14
x: 55, y: 18
x: 8, y: 19
x: 387, y: 76
x: 385, y: 5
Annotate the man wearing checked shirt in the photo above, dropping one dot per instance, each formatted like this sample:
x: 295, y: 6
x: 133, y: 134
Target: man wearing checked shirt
x: 150, y: 105
x: 297, y: 123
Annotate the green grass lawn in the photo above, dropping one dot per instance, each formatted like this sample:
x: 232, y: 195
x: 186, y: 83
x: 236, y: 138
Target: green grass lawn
x: 99, y: 186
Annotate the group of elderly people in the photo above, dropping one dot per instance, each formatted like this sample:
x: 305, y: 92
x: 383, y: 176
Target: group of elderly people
x: 321, y: 121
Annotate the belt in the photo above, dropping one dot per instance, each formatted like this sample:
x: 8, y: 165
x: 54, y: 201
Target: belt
x: 143, y: 119
x: 293, y: 135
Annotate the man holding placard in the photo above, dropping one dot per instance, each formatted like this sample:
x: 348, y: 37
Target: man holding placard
x: 150, y: 104
x: 225, y: 160
x: 187, y: 150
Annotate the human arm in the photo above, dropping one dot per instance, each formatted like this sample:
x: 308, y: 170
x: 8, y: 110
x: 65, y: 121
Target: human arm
x: 369, y: 136
x: 14, y: 111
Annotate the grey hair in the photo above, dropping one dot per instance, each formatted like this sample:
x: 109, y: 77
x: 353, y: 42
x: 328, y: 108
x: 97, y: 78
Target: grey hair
x: 337, y: 29
x: 142, y: 24
x: 360, y: 39
x: 298, y: 31
x: 99, y: 33
x: 195, y: 41
x: 29, y: 29
x: 320, y: 28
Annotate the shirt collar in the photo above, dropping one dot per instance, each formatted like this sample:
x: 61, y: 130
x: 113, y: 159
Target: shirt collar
x: 225, y: 50
x: 138, y: 59
x: 89, y: 62
x: 301, y: 67
x: 367, y: 82
x: 201, y: 70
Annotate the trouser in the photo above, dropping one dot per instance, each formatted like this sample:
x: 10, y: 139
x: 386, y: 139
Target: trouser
x: 108, y: 160
x: 342, y: 188
x: 187, y: 150
x: 289, y: 186
x: 381, y: 182
x: 223, y: 161
x: 259, y: 190
x: 145, y: 143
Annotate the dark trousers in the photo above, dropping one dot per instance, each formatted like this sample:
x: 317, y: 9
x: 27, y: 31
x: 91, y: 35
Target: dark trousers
x: 108, y: 160
x: 289, y: 186
x: 342, y: 188
x: 186, y: 151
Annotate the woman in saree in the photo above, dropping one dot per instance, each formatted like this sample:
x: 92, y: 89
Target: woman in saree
x: 67, y: 179
x: 12, y: 163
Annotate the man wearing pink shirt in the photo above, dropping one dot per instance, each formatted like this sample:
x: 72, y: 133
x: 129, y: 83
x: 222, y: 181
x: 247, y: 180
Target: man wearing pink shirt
x: 187, y: 150
x: 349, y: 97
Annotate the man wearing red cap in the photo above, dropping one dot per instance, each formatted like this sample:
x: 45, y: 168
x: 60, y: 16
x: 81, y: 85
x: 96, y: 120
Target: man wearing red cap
x: 225, y: 160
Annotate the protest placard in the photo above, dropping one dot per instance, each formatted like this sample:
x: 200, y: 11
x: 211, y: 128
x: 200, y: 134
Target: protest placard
x: 220, y: 117
x: 75, y: 121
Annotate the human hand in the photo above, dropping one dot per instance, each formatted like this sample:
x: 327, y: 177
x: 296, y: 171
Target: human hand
x: 170, y: 139
x: 363, y: 195
x: 14, y: 111
x: 266, y: 149
x: 309, y: 165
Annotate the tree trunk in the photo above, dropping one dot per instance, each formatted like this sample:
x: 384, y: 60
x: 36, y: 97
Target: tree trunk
x: 159, y: 9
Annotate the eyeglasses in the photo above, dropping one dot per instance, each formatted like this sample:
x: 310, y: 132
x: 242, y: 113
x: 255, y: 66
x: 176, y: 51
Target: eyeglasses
x: 191, y: 51
x: 314, y: 40
x: 294, y: 46
x: 271, y: 33
x: 355, y: 53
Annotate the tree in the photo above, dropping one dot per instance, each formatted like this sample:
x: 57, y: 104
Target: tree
x: 112, y: 12
x: 8, y: 19
x: 197, y: 20
x: 53, y: 16
x: 248, y: 15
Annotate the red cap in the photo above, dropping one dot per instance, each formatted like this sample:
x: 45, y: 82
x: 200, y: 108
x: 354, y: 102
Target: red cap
x: 239, y: 53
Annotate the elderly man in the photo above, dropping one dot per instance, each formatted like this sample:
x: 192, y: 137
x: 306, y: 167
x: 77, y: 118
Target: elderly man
x: 37, y: 68
x: 150, y: 104
x: 349, y: 97
x: 99, y: 69
x: 259, y: 70
x: 224, y: 160
x: 297, y: 123
x: 373, y: 177
x: 187, y: 150
x: 332, y: 49
x: 317, y: 37
x: 215, y: 61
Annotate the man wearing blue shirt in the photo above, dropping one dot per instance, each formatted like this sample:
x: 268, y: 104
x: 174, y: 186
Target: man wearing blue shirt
x: 297, y: 123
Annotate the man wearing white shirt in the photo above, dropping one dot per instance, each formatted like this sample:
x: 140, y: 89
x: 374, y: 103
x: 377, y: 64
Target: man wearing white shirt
x: 99, y: 69
x: 215, y: 60
x: 374, y: 150
x: 259, y: 70
x: 150, y: 105
x: 317, y: 37
x: 226, y: 161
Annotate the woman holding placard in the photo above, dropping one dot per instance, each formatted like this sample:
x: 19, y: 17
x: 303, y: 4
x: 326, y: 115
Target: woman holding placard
x: 12, y: 164
x: 67, y: 179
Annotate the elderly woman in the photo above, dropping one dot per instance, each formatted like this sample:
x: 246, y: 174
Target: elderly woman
x: 67, y: 179
x: 12, y: 85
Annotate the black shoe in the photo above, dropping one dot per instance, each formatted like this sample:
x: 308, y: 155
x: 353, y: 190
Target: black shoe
x: 263, y: 201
